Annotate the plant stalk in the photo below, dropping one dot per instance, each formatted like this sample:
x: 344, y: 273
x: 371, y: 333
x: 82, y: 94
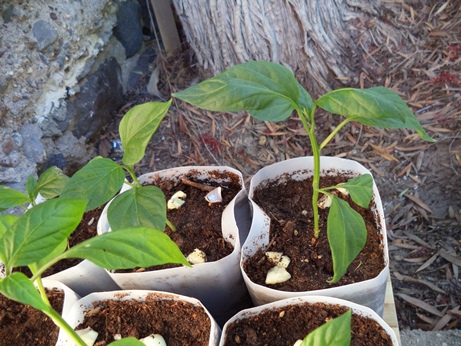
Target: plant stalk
x: 42, y: 290
x: 335, y: 131
x: 61, y: 323
x: 130, y: 170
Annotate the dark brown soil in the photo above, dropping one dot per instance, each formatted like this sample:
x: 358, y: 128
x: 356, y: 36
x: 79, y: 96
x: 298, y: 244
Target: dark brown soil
x: 22, y: 325
x: 197, y: 222
x: 283, y: 326
x: 179, y: 323
x: 292, y: 234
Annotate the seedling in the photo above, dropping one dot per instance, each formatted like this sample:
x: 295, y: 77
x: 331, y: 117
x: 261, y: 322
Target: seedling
x: 270, y: 92
x: 38, y: 238
x: 336, y: 332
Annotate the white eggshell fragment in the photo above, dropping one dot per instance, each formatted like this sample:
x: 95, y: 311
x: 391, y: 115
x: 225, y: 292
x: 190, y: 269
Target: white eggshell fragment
x: 342, y: 190
x: 324, y: 202
x: 274, y: 257
x: 177, y: 200
x: 298, y: 343
x: 88, y: 336
x: 214, y: 196
x: 197, y: 257
x: 284, y: 261
x: 154, y: 340
x: 277, y: 275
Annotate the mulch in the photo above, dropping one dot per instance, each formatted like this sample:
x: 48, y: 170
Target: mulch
x: 419, y: 182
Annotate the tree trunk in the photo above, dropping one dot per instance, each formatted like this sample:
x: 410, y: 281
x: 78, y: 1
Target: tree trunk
x: 327, y: 43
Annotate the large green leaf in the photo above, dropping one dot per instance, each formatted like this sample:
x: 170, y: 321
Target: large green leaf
x: 10, y: 198
x: 268, y: 91
x: 140, y: 206
x: 336, y: 332
x: 360, y: 189
x: 19, y: 288
x: 378, y: 106
x: 98, y: 181
x: 128, y: 248
x: 347, y: 235
x: 41, y: 229
x: 51, y: 182
x: 31, y: 188
x: 137, y: 128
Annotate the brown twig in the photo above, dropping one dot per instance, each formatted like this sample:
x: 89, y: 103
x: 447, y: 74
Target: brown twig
x: 196, y: 185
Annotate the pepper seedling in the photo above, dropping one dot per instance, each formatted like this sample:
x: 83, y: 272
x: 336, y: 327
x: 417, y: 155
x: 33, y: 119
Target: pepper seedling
x: 38, y: 238
x: 336, y: 332
x: 269, y: 92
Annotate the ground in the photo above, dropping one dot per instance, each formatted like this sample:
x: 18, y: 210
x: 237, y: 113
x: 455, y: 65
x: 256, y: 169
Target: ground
x: 418, y: 181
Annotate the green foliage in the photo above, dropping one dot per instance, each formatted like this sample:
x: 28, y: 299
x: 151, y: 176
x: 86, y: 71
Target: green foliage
x: 98, y: 181
x: 38, y: 238
x: 336, y: 332
x: 139, y: 206
x: 137, y: 128
x: 270, y: 92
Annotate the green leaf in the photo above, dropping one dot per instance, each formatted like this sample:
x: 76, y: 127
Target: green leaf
x: 41, y: 229
x: 137, y: 128
x: 10, y: 198
x: 347, y: 235
x: 268, y: 91
x: 378, y: 106
x: 360, y: 189
x: 305, y: 100
x: 19, y: 288
x: 6, y: 225
x: 98, y: 181
x: 30, y: 188
x: 51, y: 182
x: 140, y: 206
x: 336, y: 332
x: 128, y: 248
x: 130, y: 341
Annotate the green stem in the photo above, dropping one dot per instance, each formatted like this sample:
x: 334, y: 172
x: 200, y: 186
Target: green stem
x: 169, y: 224
x: 335, y: 131
x: 309, y: 125
x: 130, y: 170
x: 42, y: 291
x: 61, y: 323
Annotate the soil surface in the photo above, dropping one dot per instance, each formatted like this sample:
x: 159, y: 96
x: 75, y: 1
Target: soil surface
x: 180, y: 323
x: 22, y: 325
x: 292, y: 233
x: 284, y: 326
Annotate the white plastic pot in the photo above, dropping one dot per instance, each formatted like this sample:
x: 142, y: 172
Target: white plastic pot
x: 76, y: 314
x: 356, y: 309
x: 219, y: 284
x: 370, y: 293
x: 85, y: 278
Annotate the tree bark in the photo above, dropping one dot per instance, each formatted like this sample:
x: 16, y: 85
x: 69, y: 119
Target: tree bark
x: 327, y: 43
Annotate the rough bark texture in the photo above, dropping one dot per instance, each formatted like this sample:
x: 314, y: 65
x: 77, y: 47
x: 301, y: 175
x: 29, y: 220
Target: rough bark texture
x: 325, y: 42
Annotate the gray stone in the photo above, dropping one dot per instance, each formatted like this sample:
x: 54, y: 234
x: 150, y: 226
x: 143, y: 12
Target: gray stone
x: 44, y: 33
x: 74, y: 152
x: 3, y: 85
x: 129, y: 28
x: 142, y: 68
x: 99, y: 96
x: 8, y: 13
x: 32, y: 146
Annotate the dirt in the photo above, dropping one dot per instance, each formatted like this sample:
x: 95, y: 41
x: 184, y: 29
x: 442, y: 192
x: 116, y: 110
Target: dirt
x: 283, y: 326
x: 198, y: 222
x: 292, y: 234
x: 22, y: 325
x: 179, y: 323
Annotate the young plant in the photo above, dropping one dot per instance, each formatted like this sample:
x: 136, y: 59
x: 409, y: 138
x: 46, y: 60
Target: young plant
x: 102, y: 178
x: 336, y: 332
x: 38, y: 238
x: 270, y: 92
